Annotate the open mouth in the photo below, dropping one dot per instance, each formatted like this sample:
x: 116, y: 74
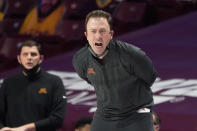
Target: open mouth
x: 29, y: 64
x: 98, y: 44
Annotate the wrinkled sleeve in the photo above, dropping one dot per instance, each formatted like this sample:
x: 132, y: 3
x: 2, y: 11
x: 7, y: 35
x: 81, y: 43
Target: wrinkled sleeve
x: 143, y: 68
x: 80, y: 67
x: 138, y: 63
x: 58, y: 110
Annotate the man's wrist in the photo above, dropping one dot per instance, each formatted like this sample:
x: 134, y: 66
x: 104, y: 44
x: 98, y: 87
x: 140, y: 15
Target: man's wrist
x: 29, y: 127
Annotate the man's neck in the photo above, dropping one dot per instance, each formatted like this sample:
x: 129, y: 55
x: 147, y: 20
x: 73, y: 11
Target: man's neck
x: 26, y: 73
x: 101, y: 57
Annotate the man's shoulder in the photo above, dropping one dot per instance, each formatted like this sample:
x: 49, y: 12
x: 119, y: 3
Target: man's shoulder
x: 33, y: 10
x: 49, y: 76
x: 126, y: 48
x: 81, y: 54
x: 13, y: 77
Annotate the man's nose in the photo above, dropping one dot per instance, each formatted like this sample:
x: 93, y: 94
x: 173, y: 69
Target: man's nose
x: 29, y: 56
x: 98, y: 35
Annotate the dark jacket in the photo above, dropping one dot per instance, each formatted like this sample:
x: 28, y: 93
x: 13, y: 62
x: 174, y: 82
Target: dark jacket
x: 122, y: 80
x: 40, y: 100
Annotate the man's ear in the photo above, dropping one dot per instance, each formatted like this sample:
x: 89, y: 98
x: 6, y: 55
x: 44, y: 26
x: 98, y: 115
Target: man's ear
x: 85, y: 33
x: 41, y: 59
x: 18, y: 58
x: 112, y: 34
x: 157, y: 127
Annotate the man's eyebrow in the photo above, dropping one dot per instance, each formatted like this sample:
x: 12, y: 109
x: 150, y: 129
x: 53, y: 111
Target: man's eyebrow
x: 91, y: 29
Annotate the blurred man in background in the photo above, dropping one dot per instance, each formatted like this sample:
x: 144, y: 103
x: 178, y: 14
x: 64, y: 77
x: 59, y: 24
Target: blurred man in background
x: 157, y: 122
x: 3, y: 8
x: 83, y: 124
x: 32, y: 100
x: 44, y: 18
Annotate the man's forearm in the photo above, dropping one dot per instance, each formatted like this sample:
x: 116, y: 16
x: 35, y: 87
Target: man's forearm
x: 26, y: 127
x: 30, y: 127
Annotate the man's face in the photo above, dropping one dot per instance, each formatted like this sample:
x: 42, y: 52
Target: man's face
x: 98, y: 34
x: 46, y: 5
x: 84, y: 128
x: 49, y: 1
x: 29, y: 57
x: 156, y: 127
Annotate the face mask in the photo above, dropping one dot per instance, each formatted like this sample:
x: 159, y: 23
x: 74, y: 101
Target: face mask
x: 31, y: 72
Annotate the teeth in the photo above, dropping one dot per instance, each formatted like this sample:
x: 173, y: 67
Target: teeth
x: 98, y: 44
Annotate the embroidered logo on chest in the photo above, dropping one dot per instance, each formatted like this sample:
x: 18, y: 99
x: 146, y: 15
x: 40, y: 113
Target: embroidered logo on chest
x: 91, y: 71
x: 42, y: 91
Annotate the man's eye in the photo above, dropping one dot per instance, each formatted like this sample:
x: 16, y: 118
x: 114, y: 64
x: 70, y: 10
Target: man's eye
x: 93, y: 31
x: 33, y: 54
x: 25, y: 54
x: 102, y: 31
